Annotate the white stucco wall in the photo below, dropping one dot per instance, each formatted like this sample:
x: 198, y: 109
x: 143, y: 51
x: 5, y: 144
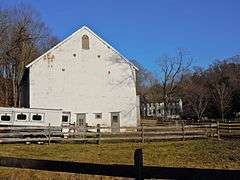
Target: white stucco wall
x: 85, y: 83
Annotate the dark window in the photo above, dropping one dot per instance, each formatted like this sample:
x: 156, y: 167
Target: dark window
x: 115, y: 118
x: 36, y: 117
x: 85, y: 42
x: 5, y: 118
x: 98, y: 116
x: 64, y: 118
x: 21, y: 116
x: 80, y: 122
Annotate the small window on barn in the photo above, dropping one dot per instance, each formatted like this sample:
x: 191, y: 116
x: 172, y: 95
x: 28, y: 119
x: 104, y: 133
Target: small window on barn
x: 64, y: 118
x: 115, y: 118
x: 85, y: 42
x: 21, y: 117
x: 5, y: 117
x: 36, y: 117
x: 98, y: 115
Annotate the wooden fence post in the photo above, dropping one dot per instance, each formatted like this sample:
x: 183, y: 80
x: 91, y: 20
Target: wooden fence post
x: 218, y: 130
x: 49, y: 133
x: 206, y: 130
x: 210, y: 127
x: 183, y: 133
x: 98, y: 134
x: 138, y: 164
x: 229, y: 127
x: 142, y: 134
x: 83, y: 134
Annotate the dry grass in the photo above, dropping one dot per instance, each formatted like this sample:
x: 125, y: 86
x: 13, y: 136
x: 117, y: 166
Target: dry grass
x: 194, y: 153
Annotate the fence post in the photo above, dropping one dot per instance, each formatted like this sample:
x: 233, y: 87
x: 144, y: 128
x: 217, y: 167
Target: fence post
x: 98, y: 134
x: 138, y: 164
x: 206, y: 130
x: 49, y: 134
x: 229, y: 127
x: 142, y: 133
x: 183, y: 133
x: 210, y: 127
x: 83, y: 134
x: 218, y: 130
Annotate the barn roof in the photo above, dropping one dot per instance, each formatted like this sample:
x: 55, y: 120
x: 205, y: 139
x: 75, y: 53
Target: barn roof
x: 69, y: 37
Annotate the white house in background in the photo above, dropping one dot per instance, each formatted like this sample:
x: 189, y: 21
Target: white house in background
x: 88, y: 79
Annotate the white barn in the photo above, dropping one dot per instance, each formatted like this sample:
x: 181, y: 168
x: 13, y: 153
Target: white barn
x: 88, y: 79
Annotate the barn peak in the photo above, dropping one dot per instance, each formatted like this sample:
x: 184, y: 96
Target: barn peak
x: 75, y: 33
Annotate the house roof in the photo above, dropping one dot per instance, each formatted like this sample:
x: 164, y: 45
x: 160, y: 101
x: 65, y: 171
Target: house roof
x: 69, y: 37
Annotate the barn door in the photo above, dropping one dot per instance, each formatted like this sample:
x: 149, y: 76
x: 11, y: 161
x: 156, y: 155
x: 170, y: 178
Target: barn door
x: 115, y: 122
x: 81, y: 121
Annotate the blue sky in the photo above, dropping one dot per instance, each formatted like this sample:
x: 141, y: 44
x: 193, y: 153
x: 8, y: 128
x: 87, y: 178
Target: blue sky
x: 145, y: 30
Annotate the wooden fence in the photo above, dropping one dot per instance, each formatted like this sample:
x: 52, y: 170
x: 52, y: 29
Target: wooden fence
x: 137, y: 171
x: 99, y: 134
x: 229, y: 130
x: 104, y: 134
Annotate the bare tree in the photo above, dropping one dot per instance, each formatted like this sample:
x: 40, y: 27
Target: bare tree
x: 145, y: 79
x: 219, y: 84
x: 23, y: 41
x: 196, y: 93
x: 171, y: 70
x: 4, y: 67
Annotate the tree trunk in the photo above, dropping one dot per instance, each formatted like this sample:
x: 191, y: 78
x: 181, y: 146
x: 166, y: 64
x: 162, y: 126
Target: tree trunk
x: 199, y: 117
x: 14, y: 92
x: 164, y: 108
x: 222, y: 109
x: 222, y: 115
x: 164, y: 102
x: 15, y: 88
x: 19, y: 96
x: 5, y: 93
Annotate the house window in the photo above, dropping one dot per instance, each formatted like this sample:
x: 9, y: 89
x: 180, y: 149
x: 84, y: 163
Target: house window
x: 115, y: 118
x: 36, y: 117
x: 98, y: 115
x: 65, y: 118
x: 5, y: 118
x: 21, y: 117
x: 85, y: 42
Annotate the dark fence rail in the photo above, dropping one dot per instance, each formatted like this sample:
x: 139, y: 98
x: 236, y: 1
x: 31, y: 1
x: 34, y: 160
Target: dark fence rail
x: 137, y: 171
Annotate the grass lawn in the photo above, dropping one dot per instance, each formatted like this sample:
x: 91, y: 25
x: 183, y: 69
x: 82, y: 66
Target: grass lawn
x: 191, y: 153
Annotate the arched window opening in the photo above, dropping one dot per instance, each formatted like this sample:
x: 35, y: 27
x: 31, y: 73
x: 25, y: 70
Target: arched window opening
x: 85, y: 42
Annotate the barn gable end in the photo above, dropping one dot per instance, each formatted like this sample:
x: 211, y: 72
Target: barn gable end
x: 85, y: 75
